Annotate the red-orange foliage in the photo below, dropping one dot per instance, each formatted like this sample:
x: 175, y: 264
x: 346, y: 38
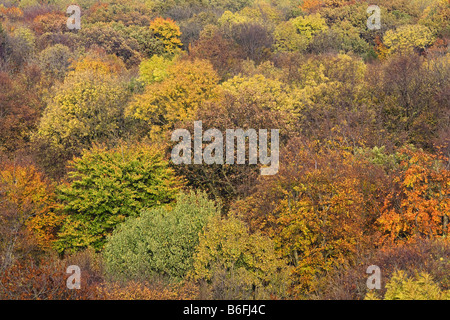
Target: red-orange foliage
x: 319, y: 209
x: 50, y: 22
x: 12, y: 13
x: 419, y: 203
x: 223, y: 53
x: 27, y: 205
x: 43, y: 280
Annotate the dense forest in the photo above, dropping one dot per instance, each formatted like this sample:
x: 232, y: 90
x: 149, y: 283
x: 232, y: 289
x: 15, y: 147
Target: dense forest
x: 86, y: 122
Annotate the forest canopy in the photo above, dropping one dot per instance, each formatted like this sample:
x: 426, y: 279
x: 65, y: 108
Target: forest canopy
x: 86, y: 176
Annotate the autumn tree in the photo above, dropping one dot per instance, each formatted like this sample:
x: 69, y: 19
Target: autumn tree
x: 247, y: 103
x: 254, y: 40
x: 176, y: 98
x: 408, y: 37
x: 320, y: 209
x: 418, y: 204
x: 55, y: 61
x: 234, y: 264
x: 86, y: 108
x: 107, y: 186
x: 168, y: 32
x: 412, y: 97
x: 297, y: 33
x: 223, y: 53
x: 113, y: 41
x: 402, y: 287
x: 29, y: 213
x: 19, y: 113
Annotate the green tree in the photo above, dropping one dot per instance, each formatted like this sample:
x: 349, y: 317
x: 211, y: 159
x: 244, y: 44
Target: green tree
x: 154, y: 69
x: 109, y: 185
x: 161, y: 241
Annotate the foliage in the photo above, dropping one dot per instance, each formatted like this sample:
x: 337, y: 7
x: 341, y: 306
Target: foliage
x: 420, y: 257
x: 154, y: 69
x: 107, y: 186
x: 42, y: 280
x: 364, y: 138
x: 400, y: 287
x: 317, y: 189
x: 160, y: 241
x: 55, y: 61
x: 168, y: 32
x: 86, y: 108
x: 134, y: 290
x: 19, y: 111
x: 250, y: 265
x: 187, y: 86
x: 408, y: 37
x: 29, y: 212
x: 297, y: 33
x: 223, y: 53
x: 417, y: 205
x: 114, y: 42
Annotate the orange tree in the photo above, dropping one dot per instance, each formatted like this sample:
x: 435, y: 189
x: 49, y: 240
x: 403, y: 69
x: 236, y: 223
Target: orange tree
x: 28, y: 211
x: 319, y: 209
x: 418, y: 204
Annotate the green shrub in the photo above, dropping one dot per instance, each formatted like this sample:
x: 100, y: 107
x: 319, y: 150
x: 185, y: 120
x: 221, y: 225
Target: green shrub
x: 161, y: 241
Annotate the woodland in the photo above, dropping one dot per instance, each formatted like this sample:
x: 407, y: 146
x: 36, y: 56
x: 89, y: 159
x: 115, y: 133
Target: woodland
x: 86, y: 177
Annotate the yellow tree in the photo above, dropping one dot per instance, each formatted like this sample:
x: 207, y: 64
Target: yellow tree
x: 168, y: 32
x: 188, y: 84
x: 408, y: 37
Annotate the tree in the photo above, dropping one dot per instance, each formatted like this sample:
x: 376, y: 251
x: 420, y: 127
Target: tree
x: 408, y: 37
x: 238, y: 265
x: 86, y: 108
x: 114, y: 42
x: 55, y: 61
x: 270, y: 94
x: 297, y: 33
x: 28, y: 213
x: 54, y: 22
x: 418, y: 205
x: 154, y: 69
x: 401, y: 287
x: 412, y: 97
x: 176, y: 98
x: 161, y: 241
x: 106, y: 187
x: 168, y: 32
x: 223, y: 53
x: 247, y: 103
x: 320, y: 209
x: 19, y: 113
x: 254, y: 40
